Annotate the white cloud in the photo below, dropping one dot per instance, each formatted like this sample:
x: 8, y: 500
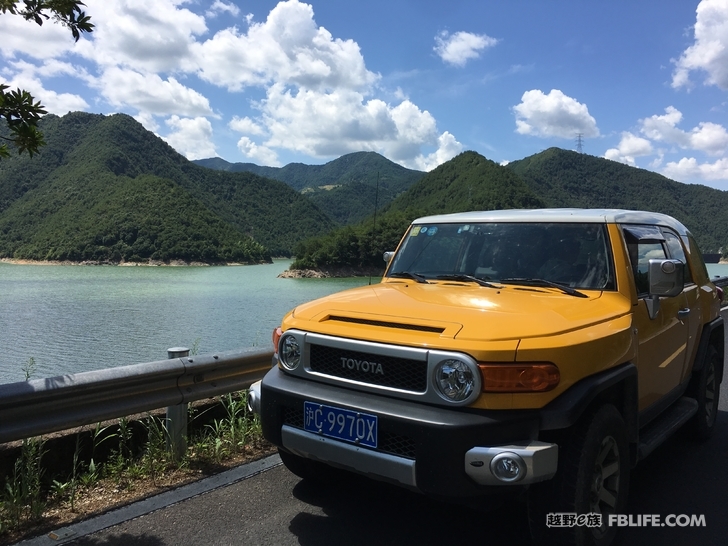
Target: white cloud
x: 29, y: 77
x: 146, y: 36
x: 150, y: 93
x: 688, y: 169
x: 26, y: 37
x: 664, y: 128
x: 707, y: 137
x: 325, y: 124
x: 447, y: 148
x: 710, y: 138
x: 192, y: 137
x: 219, y: 7
x: 461, y: 47
x: 629, y: 147
x: 553, y: 115
x: 259, y: 154
x: 332, y: 124
x: 287, y: 48
x: 709, y: 52
x: 246, y: 126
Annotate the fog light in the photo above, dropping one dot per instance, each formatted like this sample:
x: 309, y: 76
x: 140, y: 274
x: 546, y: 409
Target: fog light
x: 508, y: 467
x: 290, y: 353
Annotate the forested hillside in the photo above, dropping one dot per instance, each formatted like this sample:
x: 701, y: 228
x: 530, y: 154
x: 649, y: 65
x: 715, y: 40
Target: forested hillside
x: 106, y: 189
x: 346, y: 188
x: 466, y: 182
x: 564, y: 178
x: 553, y: 178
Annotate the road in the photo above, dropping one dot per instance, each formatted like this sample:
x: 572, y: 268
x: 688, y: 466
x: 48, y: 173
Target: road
x: 273, y: 507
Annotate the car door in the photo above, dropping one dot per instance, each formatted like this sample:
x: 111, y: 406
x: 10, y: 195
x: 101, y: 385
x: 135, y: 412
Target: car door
x: 692, y: 311
x: 663, y: 339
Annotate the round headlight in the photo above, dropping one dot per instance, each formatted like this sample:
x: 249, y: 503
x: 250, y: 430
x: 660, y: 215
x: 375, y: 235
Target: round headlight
x: 455, y: 380
x: 290, y: 353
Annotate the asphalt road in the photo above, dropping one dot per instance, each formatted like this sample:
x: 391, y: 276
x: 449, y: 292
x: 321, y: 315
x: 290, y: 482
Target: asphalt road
x: 273, y: 507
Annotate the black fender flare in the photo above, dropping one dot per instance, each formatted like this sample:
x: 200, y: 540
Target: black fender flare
x: 712, y: 334
x: 617, y: 385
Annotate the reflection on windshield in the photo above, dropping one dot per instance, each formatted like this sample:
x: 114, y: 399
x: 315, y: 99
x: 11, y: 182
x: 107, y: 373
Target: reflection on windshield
x: 574, y: 255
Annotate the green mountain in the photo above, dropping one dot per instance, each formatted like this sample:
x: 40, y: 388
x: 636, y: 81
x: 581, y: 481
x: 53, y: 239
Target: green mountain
x: 466, y: 182
x: 347, y: 188
x: 553, y: 178
x: 106, y: 189
x: 568, y: 179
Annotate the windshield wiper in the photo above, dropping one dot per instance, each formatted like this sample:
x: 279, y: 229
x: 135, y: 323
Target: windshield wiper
x: 543, y: 282
x: 407, y: 275
x: 465, y: 278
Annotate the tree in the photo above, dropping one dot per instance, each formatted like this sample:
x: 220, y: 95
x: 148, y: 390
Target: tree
x: 18, y: 108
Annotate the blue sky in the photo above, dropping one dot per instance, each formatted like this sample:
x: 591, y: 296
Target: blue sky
x: 644, y: 83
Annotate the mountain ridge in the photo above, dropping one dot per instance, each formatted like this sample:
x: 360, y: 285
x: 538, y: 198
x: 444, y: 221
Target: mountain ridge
x: 348, y: 188
x: 106, y: 190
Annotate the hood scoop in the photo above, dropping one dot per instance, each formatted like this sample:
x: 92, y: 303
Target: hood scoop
x: 387, y: 324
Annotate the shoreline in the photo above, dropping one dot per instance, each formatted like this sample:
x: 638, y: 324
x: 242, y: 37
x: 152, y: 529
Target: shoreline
x: 149, y: 263
x: 331, y: 273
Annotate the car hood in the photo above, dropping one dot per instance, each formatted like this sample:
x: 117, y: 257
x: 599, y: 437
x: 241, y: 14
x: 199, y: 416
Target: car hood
x: 408, y: 312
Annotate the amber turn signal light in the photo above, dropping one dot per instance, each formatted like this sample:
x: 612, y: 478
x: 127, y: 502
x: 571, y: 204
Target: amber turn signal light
x: 540, y: 377
x: 276, y: 337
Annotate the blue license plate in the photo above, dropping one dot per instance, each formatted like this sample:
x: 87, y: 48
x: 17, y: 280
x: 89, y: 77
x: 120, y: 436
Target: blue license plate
x: 342, y: 424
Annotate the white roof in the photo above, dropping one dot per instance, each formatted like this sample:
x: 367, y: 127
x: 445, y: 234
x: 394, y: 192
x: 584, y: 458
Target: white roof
x: 601, y: 216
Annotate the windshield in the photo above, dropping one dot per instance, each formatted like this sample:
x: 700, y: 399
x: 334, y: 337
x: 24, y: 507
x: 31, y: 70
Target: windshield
x: 574, y: 255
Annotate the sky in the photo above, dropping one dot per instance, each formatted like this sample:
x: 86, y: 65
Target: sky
x: 419, y: 81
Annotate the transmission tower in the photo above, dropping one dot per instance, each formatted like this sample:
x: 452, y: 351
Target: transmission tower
x: 579, y: 142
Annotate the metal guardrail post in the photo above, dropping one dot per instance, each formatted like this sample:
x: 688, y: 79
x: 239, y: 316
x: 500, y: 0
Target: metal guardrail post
x: 176, y: 421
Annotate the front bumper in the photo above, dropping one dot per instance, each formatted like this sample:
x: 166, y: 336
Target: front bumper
x: 439, y: 451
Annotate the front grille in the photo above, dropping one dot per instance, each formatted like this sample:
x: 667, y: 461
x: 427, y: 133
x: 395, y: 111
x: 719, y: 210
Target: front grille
x: 398, y: 373
x: 394, y: 444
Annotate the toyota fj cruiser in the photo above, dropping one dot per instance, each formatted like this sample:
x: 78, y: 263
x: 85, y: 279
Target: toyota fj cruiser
x: 540, y: 353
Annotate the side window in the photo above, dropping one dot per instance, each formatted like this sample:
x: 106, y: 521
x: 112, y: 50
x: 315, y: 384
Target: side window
x: 644, y: 252
x: 677, y: 252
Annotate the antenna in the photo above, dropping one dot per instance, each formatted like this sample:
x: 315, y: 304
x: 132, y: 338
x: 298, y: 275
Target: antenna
x: 374, y: 227
x: 579, y: 142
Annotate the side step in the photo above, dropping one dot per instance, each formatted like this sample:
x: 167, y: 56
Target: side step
x: 666, y: 425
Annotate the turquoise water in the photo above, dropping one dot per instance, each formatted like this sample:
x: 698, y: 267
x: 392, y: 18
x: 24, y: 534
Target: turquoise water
x: 71, y: 319
x: 720, y: 270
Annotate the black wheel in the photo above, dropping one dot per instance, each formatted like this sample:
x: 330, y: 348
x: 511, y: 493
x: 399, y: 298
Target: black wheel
x: 306, y: 468
x: 705, y: 388
x: 592, y: 479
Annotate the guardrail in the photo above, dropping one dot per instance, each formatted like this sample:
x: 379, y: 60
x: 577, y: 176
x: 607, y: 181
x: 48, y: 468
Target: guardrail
x: 40, y: 406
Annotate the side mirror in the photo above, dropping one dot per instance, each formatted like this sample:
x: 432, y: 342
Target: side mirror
x: 666, y: 280
x: 666, y: 277
x: 388, y: 256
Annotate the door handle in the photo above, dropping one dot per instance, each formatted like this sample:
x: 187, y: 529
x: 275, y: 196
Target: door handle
x: 683, y: 313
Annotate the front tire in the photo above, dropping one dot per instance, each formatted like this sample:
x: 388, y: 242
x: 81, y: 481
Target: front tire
x: 592, y: 478
x: 705, y: 388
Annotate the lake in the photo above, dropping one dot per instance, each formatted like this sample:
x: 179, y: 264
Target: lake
x: 71, y: 319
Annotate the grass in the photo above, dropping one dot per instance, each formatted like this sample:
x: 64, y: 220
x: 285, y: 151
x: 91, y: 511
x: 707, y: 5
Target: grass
x: 119, y: 463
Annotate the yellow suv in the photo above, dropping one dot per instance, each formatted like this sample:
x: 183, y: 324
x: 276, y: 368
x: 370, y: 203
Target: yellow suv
x: 534, y: 353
